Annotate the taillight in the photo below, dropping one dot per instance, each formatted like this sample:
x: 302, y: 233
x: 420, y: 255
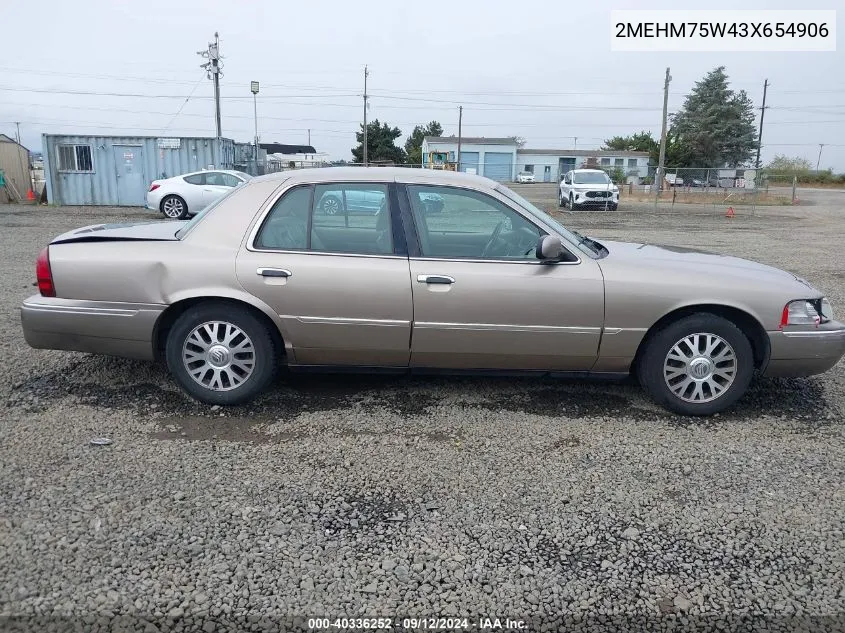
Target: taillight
x: 44, y: 275
x: 154, y: 186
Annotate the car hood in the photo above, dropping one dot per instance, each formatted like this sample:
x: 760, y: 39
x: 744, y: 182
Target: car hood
x: 130, y: 231
x: 597, y: 186
x: 713, y: 264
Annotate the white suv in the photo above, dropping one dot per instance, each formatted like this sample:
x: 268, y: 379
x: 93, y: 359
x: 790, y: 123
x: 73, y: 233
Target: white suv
x: 588, y: 188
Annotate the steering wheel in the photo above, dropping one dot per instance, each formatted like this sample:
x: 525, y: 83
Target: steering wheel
x: 493, y: 238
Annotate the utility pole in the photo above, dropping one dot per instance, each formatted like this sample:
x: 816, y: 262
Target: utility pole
x: 214, y: 69
x: 818, y: 162
x: 762, y: 114
x: 253, y: 86
x: 309, y: 136
x: 18, y: 135
x: 366, y: 74
x: 658, y: 178
x: 460, y: 118
x: 575, y: 146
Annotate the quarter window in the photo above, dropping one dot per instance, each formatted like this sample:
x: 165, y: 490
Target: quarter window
x: 75, y: 158
x: 460, y: 223
x: 334, y: 218
x: 195, y: 179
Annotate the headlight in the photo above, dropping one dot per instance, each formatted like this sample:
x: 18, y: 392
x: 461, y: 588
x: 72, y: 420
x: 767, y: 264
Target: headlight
x: 805, y: 312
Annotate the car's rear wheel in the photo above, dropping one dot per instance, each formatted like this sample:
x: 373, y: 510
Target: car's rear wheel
x: 698, y: 365
x: 221, y: 354
x: 174, y: 207
x: 331, y: 205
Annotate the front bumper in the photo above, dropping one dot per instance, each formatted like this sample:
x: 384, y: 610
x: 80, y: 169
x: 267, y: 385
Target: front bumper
x: 98, y: 327
x: 595, y: 198
x: 805, y: 352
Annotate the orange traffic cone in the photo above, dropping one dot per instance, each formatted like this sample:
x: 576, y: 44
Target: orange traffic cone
x: 30, y: 195
x: 730, y: 212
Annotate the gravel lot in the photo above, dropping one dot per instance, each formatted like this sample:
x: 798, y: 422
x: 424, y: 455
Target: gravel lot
x: 564, y: 504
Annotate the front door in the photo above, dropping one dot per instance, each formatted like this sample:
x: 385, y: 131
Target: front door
x: 481, y: 298
x: 339, y: 282
x: 131, y: 181
x: 547, y: 173
x: 216, y: 185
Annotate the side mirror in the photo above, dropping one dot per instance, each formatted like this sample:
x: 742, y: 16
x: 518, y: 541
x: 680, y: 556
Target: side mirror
x: 549, y: 248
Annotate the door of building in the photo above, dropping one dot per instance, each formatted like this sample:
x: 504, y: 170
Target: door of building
x: 131, y: 180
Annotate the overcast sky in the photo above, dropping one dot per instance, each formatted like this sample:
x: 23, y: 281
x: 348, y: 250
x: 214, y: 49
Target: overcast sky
x: 507, y: 62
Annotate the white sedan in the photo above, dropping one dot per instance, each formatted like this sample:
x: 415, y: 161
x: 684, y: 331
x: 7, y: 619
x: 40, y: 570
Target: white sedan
x: 525, y: 177
x: 183, y: 196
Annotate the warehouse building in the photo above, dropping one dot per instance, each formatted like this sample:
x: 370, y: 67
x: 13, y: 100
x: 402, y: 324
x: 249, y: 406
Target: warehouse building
x: 117, y: 170
x: 502, y: 158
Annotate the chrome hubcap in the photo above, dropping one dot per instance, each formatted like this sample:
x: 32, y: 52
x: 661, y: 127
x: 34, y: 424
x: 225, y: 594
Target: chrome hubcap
x: 331, y: 206
x: 700, y: 367
x: 218, y: 355
x: 173, y: 207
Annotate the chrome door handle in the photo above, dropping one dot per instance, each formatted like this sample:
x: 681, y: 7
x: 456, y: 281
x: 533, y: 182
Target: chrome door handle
x: 273, y: 272
x: 435, y: 279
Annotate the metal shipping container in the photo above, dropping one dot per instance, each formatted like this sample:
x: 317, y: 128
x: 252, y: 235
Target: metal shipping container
x: 14, y: 162
x: 117, y: 170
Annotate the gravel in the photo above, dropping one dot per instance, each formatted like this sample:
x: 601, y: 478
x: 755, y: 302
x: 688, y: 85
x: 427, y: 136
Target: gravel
x: 563, y: 504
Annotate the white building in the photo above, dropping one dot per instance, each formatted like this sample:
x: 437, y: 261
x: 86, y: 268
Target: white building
x: 501, y: 159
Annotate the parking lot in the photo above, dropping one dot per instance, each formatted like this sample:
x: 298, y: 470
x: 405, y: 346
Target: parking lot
x: 560, y: 503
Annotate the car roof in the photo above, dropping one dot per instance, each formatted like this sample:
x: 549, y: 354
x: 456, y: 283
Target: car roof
x: 599, y: 171
x: 234, y: 172
x: 379, y: 174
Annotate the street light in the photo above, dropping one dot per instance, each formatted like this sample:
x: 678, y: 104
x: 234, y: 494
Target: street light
x: 253, y: 86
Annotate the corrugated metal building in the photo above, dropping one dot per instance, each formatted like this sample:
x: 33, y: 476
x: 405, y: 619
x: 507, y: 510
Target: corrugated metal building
x: 14, y: 163
x: 491, y: 157
x: 117, y: 170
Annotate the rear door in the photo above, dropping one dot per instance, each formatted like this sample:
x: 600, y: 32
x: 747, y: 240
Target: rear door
x: 340, y: 282
x: 481, y: 298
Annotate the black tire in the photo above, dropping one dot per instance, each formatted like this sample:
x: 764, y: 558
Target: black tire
x: 560, y: 201
x: 264, y: 353
x: 331, y: 205
x: 613, y: 207
x: 572, y: 205
x: 174, y: 207
x: 659, y: 345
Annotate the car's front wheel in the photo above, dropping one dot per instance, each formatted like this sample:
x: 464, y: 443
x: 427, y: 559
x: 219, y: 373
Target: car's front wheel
x: 221, y: 354
x: 572, y: 205
x: 561, y: 201
x: 698, y: 365
x: 174, y: 207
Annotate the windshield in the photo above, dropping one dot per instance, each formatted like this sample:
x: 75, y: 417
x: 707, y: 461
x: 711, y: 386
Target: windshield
x: 541, y: 215
x: 199, y: 216
x: 590, y: 178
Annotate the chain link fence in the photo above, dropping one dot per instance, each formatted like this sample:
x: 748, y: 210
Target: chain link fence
x: 712, y: 190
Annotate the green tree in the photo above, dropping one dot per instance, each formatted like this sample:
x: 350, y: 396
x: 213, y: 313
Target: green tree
x: 413, y: 144
x: 715, y: 126
x: 784, y: 164
x: 640, y: 142
x: 380, y: 143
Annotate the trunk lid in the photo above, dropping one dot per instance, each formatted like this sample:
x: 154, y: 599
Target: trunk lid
x: 130, y: 231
